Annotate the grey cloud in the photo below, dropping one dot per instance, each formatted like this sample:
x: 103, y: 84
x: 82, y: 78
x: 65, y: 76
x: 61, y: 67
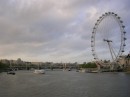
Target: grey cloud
x: 53, y: 29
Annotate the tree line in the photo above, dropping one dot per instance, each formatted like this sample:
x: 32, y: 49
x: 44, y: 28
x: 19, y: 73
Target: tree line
x: 88, y: 65
x: 3, y: 66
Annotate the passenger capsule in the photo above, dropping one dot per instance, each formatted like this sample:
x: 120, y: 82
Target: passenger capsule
x: 118, y: 17
x: 124, y: 44
x: 112, y: 12
x: 115, y: 14
x: 100, y: 17
x: 123, y: 26
x: 98, y: 20
x: 124, y: 38
x: 121, y: 21
x: 103, y: 14
x: 124, y: 32
x: 122, y: 50
x: 109, y: 12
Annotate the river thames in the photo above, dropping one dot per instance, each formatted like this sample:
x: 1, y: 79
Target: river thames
x: 64, y: 84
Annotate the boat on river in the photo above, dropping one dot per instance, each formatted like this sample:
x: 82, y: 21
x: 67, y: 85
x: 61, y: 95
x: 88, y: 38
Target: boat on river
x: 11, y: 72
x: 41, y: 71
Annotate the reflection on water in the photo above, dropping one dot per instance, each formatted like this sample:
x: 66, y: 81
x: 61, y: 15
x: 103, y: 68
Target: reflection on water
x: 64, y: 84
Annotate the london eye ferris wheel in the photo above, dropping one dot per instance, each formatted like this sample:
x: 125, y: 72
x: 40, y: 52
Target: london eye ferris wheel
x: 108, y: 38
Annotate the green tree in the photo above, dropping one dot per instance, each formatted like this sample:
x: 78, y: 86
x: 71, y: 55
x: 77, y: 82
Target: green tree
x: 3, y: 66
x: 89, y: 65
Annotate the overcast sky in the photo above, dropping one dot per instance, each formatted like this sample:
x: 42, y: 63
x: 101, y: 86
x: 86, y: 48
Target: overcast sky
x: 54, y: 30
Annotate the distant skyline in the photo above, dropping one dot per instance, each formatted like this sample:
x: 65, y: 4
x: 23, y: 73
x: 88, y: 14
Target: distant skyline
x: 54, y: 30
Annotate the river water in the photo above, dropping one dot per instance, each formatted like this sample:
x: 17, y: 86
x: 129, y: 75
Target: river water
x: 64, y: 84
